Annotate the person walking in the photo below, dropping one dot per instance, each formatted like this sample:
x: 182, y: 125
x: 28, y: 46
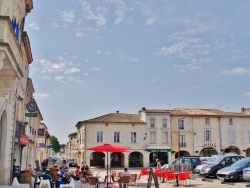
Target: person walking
x: 84, y: 163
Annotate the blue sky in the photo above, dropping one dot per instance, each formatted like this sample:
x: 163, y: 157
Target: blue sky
x: 96, y: 57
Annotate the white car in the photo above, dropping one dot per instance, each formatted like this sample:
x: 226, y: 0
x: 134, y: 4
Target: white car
x: 209, y: 161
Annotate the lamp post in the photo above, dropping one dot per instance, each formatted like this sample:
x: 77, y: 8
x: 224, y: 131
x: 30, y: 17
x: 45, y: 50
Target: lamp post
x: 179, y: 124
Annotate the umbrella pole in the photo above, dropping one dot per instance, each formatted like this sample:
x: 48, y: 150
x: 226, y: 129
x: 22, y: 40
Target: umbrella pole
x: 107, y: 171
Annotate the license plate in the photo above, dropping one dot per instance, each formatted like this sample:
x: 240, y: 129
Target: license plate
x: 220, y: 178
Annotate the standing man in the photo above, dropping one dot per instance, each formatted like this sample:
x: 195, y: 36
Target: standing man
x: 15, y: 169
x: 84, y: 163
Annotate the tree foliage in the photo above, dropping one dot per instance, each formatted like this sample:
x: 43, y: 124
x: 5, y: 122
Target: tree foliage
x: 55, y: 144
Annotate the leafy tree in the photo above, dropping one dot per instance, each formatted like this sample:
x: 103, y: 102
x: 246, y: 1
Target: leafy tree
x: 55, y: 144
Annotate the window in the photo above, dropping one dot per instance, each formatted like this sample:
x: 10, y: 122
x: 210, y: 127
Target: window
x: 164, y: 122
x: 152, y: 122
x: 207, y: 121
x: 133, y: 137
x: 152, y: 137
x: 99, y: 136
x: 181, y: 123
x: 230, y: 121
x: 165, y: 137
x: 231, y: 137
x: 117, y: 137
x: 182, y: 141
x: 207, y: 136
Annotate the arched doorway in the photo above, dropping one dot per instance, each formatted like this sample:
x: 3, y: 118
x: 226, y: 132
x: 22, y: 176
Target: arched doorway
x: 162, y: 156
x: 232, y: 149
x: 208, y: 152
x: 135, y: 159
x: 3, y: 132
x: 97, y: 159
x: 182, y: 154
x: 117, y: 159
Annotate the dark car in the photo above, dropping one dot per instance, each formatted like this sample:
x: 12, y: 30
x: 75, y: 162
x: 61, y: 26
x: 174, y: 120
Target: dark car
x: 235, y: 171
x: 219, y: 163
x: 72, y: 163
x: 193, y: 160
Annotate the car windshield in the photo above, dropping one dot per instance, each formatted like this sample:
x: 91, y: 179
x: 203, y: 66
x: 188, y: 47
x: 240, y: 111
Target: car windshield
x: 216, y: 161
x: 240, y: 163
x: 210, y: 160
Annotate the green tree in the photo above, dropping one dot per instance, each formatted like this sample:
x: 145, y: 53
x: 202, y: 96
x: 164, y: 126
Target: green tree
x: 55, y: 144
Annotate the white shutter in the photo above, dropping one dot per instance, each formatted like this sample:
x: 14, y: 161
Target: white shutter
x: 112, y: 137
x: 137, y: 137
x: 103, y: 137
x: 95, y: 137
x: 129, y: 137
x: 121, y: 141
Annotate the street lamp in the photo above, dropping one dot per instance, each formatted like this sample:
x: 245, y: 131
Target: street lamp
x: 179, y: 124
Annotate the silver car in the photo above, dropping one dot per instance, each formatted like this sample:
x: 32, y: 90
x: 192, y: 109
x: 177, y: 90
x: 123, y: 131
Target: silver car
x: 246, y: 174
x: 209, y: 161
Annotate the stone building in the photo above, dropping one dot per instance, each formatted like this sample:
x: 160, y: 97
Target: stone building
x: 20, y: 117
x: 164, y: 134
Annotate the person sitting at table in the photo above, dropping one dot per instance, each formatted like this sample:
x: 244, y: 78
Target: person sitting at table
x: 77, y: 173
x: 65, y: 180
x: 38, y: 167
x: 65, y: 166
x: 16, y: 169
x: 87, y: 170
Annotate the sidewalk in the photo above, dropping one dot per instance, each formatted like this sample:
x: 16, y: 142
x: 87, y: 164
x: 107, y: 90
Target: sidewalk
x: 197, y: 182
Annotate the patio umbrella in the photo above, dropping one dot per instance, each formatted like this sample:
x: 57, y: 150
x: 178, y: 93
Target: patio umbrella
x: 108, y: 148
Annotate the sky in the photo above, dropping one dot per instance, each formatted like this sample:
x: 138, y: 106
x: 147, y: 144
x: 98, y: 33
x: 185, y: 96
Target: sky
x: 95, y: 57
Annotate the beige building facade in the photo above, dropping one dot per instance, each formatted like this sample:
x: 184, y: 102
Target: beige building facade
x: 20, y: 121
x: 164, y: 135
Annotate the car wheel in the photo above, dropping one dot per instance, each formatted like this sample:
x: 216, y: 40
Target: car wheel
x: 240, y: 176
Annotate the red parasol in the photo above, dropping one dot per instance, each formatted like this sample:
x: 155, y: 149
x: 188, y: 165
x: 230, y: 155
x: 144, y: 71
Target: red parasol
x: 108, y: 148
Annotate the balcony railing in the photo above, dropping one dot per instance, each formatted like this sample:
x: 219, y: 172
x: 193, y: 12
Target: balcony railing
x: 183, y: 144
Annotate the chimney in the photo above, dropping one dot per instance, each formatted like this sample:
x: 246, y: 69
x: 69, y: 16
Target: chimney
x: 242, y: 109
x: 117, y: 112
x: 143, y: 108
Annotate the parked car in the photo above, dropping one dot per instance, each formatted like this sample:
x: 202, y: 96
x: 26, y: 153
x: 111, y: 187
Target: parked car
x: 193, y: 160
x: 246, y: 174
x: 209, y: 161
x: 72, y: 163
x: 235, y: 171
x: 219, y: 163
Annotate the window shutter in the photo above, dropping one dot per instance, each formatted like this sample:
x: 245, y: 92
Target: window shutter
x: 95, y: 137
x: 103, y: 137
x: 112, y: 137
x: 137, y: 137
x: 121, y: 137
x: 129, y: 137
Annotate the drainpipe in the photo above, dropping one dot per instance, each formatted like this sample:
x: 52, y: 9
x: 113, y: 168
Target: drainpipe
x: 193, y: 133
x: 14, y: 129
x: 219, y: 119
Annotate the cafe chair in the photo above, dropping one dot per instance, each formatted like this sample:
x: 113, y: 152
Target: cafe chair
x: 71, y: 184
x: 44, y: 184
x: 125, y: 181
x: 133, y: 179
x: 170, y: 177
x: 188, y: 177
x: 93, y: 182
x: 182, y: 178
x: 16, y: 183
x: 144, y: 172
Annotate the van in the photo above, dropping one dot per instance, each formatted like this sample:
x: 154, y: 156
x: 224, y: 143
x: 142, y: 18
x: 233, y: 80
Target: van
x: 193, y: 160
x: 219, y: 163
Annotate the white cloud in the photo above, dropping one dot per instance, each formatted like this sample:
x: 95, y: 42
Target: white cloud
x: 41, y: 95
x: 150, y: 21
x: 247, y: 94
x: 188, y: 67
x: 34, y: 26
x: 68, y: 15
x: 95, y: 69
x: 236, y: 71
